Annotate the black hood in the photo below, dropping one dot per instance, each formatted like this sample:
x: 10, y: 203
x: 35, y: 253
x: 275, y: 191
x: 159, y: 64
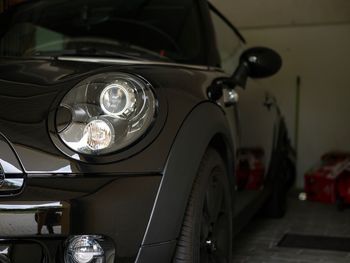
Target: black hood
x: 29, y: 87
x: 40, y: 72
x: 29, y: 90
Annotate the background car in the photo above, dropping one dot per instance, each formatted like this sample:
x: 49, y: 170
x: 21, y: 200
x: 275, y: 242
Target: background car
x: 122, y: 127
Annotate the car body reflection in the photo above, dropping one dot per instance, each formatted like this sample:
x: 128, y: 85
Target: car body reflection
x: 54, y: 216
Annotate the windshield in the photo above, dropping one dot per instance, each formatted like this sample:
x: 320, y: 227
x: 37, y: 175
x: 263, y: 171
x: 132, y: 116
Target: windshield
x: 130, y: 29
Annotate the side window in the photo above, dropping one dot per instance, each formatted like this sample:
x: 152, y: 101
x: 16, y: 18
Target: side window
x: 228, y: 43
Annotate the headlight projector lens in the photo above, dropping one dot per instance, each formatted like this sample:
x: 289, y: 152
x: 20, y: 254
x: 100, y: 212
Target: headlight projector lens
x: 108, y: 112
x: 118, y: 100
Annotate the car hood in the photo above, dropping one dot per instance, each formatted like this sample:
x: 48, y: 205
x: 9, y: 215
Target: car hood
x: 41, y: 71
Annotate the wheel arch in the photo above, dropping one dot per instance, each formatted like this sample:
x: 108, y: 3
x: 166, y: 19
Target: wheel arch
x: 282, y: 150
x: 221, y: 145
x: 205, y: 126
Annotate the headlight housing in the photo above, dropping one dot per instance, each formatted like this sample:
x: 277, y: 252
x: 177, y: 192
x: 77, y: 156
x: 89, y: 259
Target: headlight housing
x: 106, y: 113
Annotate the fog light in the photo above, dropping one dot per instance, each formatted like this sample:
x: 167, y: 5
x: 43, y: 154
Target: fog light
x: 84, y: 249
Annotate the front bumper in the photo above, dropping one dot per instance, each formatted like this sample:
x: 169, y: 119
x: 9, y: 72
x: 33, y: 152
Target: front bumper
x: 35, y: 225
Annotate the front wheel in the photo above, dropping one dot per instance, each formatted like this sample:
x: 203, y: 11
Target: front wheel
x: 276, y: 205
x: 206, y: 234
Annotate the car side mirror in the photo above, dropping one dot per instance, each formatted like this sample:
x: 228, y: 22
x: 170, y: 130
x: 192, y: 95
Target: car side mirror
x: 257, y: 62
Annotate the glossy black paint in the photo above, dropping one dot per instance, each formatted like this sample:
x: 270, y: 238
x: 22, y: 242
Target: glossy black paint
x: 118, y: 207
x: 127, y: 199
x: 136, y: 197
x: 28, y: 113
x: 88, y: 193
x: 181, y: 169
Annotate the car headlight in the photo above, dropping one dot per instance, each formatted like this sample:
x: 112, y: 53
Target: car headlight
x: 105, y: 113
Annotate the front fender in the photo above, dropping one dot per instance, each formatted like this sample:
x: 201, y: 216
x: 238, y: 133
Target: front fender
x: 205, y: 121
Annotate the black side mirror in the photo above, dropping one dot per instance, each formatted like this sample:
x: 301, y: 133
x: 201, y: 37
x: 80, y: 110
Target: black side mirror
x: 257, y: 62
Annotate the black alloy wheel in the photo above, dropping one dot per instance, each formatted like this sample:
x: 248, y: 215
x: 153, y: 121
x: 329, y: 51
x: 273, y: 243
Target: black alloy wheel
x: 206, y: 235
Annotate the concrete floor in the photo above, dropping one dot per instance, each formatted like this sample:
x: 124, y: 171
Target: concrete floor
x: 257, y: 242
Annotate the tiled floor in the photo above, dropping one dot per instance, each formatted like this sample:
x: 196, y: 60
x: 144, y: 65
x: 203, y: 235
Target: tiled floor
x: 257, y: 242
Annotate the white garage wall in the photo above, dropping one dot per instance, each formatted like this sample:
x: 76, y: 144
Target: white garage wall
x: 260, y: 13
x: 313, y: 38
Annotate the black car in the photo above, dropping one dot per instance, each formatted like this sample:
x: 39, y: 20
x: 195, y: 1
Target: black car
x: 122, y: 127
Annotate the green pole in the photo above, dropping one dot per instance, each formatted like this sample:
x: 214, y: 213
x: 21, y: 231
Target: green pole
x: 297, y: 114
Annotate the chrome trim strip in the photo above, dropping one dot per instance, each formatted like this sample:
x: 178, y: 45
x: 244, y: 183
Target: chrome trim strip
x: 30, y: 206
x: 8, y: 186
x: 9, y: 163
x: 4, y: 250
x: 136, y: 62
x: 5, y: 253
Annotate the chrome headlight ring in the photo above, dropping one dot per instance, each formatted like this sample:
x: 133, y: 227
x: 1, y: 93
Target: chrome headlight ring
x: 104, y: 115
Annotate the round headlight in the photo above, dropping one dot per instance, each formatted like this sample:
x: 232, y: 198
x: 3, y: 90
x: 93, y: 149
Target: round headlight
x: 105, y: 113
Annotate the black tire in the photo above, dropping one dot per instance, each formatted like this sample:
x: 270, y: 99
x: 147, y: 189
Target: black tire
x: 206, y: 234
x: 276, y: 205
x: 340, y: 204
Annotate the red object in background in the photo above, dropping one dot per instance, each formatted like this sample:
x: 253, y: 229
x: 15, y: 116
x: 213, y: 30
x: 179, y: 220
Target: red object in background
x: 251, y: 171
x: 322, y: 182
x: 344, y: 186
x: 320, y: 187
